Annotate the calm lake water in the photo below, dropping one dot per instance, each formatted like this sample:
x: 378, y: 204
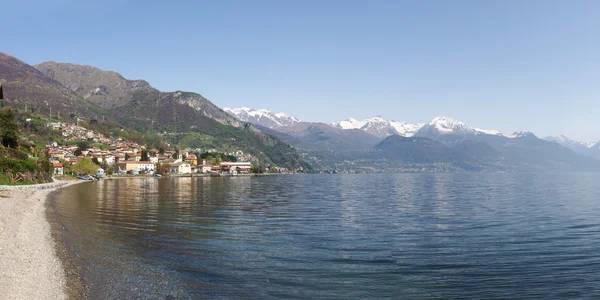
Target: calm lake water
x: 399, y: 236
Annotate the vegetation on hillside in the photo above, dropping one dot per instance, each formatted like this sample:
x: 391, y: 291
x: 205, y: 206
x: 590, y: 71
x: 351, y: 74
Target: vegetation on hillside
x: 20, y: 161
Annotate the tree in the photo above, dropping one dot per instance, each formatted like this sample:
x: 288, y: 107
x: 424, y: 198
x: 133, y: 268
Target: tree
x: 9, y: 130
x: 83, y: 145
x: 77, y: 152
x: 259, y: 169
x: 126, y: 156
x: 161, y: 151
x: 85, y: 167
x: 163, y: 168
x: 145, y: 156
x: 110, y: 170
x: 96, y: 161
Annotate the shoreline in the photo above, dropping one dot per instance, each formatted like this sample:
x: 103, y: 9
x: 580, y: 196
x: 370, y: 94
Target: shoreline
x: 30, y: 264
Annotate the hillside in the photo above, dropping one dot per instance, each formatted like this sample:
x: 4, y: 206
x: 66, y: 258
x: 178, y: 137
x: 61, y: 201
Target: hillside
x: 113, y: 104
x: 111, y: 90
x: 526, y: 153
x: 20, y: 161
x: 27, y: 88
x: 321, y: 136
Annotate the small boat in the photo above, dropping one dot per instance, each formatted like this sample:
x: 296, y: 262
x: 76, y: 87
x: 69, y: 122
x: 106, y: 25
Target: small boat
x: 157, y: 175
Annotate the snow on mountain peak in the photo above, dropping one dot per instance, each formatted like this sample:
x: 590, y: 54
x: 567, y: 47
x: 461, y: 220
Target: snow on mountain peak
x: 447, y: 125
x: 439, y: 126
x: 521, y: 133
x: 378, y: 126
x: 349, y: 123
x: 569, y: 143
x: 262, y: 117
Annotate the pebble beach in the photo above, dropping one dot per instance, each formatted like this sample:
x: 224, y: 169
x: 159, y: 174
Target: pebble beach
x: 29, y: 265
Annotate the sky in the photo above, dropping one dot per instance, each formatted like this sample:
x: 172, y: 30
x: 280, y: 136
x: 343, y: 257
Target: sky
x: 505, y: 65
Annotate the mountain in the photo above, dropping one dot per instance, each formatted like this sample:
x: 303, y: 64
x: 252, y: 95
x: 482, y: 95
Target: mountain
x: 191, y: 120
x: 379, y: 127
x: 490, y: 153
x: 27, y: 88
x: 135, y: 108
x: 321, y: 136
x: 111, y: 90
x: 305, y: 135
x: 441, y: 126
x: 591, y: 149
x: 262, y: 117
x: 440, y: 144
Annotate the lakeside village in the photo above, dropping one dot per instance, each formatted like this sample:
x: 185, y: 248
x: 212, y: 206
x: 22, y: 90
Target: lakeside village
x: 121, y: 157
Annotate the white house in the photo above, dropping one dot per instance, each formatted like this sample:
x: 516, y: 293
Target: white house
x: 204, y: 168
x: 109, y: 159
x: 181, y: 167
x: 235, y: 167
x: 136, y: 167
x: 58, y: 169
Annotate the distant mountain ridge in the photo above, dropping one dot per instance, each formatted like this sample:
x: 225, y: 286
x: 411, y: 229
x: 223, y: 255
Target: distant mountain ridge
x: 262, y: 117
x: 440, y: 144
x: 585, y: 148
x: 380, y: 127
x: 376, y: 126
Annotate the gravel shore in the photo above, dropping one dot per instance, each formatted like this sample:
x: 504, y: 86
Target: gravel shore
x: 29, y: 265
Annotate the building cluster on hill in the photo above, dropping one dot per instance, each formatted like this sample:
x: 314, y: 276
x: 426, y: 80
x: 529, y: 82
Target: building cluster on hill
x: 126, y: 157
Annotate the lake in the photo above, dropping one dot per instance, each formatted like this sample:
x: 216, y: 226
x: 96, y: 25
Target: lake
x: 399, y: 236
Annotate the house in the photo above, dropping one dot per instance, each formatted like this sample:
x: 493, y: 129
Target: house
x: 204, y: 168
x: 58, y: 169
x: 191, y: 159
x: 180, y: 167
x: 136, y: 167
x: 236, y: 167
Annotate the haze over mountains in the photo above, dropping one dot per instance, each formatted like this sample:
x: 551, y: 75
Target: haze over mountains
x: 380, y: 127
x: 452, y: 140
x: 586, y: 148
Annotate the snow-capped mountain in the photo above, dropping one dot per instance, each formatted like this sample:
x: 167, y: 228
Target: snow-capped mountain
x: 262, y: 117
x: 379, y: 127
x: 572, y: 144
x: 446, y: 126
x: 521, y: 134
x: 349, y: 123
x: 586, y: 148
x: 567, y: 142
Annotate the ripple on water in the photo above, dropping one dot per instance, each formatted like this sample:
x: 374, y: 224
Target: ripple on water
x: 347, y: 236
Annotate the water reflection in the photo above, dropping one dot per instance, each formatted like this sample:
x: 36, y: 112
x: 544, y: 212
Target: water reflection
x: 336, y: 236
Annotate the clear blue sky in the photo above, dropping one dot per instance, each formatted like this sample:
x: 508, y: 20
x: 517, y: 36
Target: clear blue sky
x: 503, y: 65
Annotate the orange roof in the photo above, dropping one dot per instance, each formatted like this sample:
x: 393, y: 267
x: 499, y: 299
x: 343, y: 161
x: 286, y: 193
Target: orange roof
x: 135, y: 162
x: 56, y: 165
